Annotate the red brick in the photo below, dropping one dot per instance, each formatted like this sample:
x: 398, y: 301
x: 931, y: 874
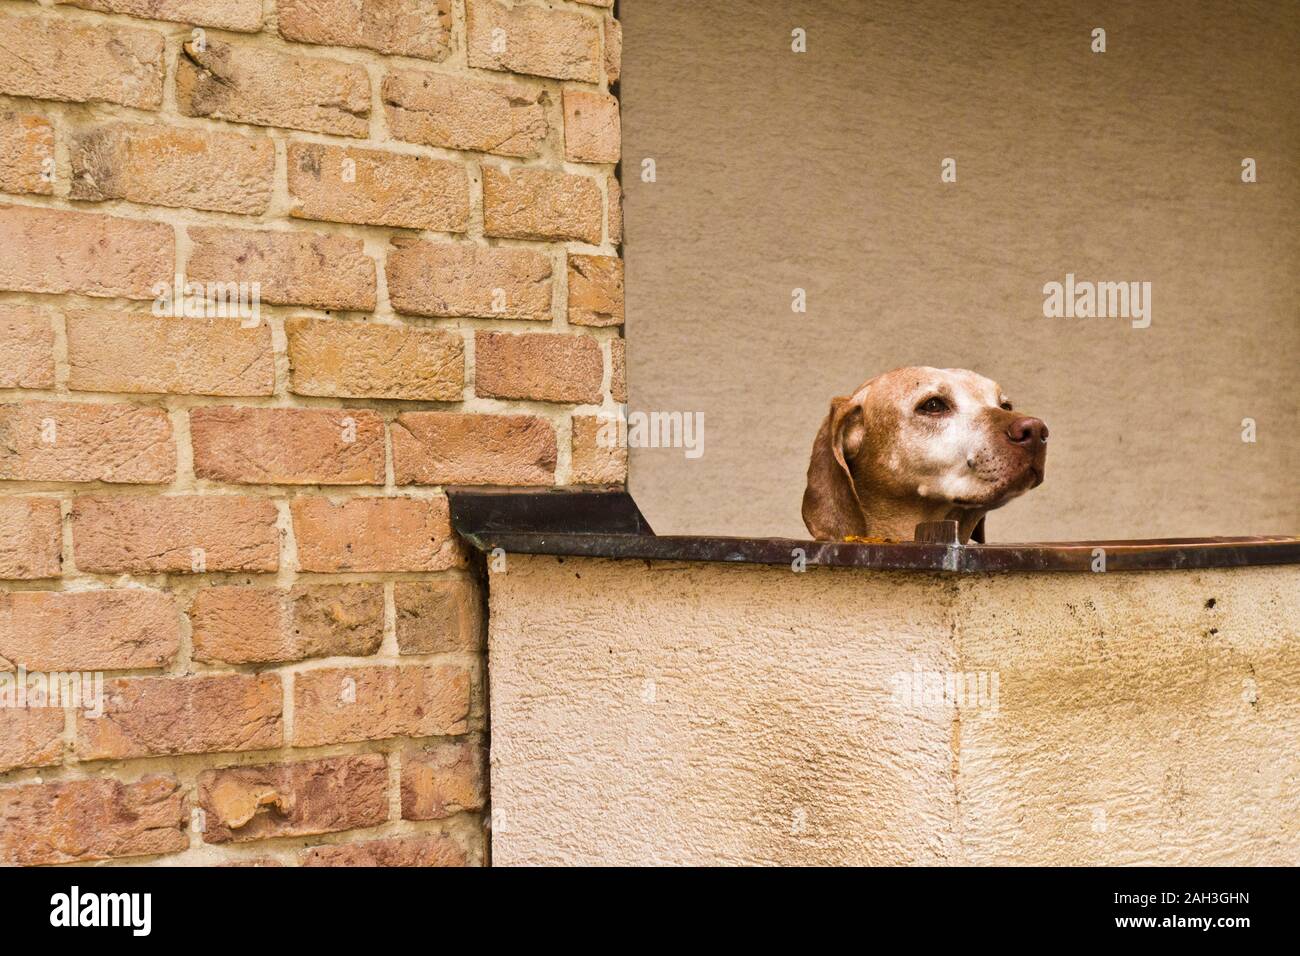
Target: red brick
x: 369, y: 360
x: 251, y: 625
x: 561, y: 44
x: 26, y: 143
x: 242, y: 15
x: 116, y: 629
x: 31, y: 538
x: 390, y: 26
x: 342, y: 184
x: 65, y: 60
x: 288, y: 446
x: 454, y: 448
x: 433, y: 850
x: 442, y: 780
x: 618, y: 369
x: 337, y: 705
x: 139, y: 353
x: 67, y: 441
x: 27, y: 359
x: 438, y: 617
x: 54, y: 250
x: 595, y: 290
x: 595, y: 458
x: 29, y: 736
x: 247, y: 84
x: 539, y: 366
x: 148, y: 716
x: 591, y: 127
x: 613, y: 50
x: 534, y: 203
x: 96, y: 819
x: 614, y: 189
x: 458, y: 113
x: 293, y: 268
x: 296, y: 799
x: 374, y: 534
x: 167, y: 534
x: 463, y: 280
x: 172, y: 166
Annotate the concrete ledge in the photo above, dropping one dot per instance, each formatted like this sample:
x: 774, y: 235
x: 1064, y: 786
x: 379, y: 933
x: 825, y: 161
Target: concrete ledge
x: 672, y: 712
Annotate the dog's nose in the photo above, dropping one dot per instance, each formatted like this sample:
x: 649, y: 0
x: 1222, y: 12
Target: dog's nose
x: 1027, y: 431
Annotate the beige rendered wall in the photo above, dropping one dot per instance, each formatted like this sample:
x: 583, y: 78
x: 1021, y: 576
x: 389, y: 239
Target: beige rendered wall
x: 690, y: 713
x: 821, y: 171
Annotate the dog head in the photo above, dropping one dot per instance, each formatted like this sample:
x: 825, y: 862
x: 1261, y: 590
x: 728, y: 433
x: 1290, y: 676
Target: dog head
x: 919, y: 444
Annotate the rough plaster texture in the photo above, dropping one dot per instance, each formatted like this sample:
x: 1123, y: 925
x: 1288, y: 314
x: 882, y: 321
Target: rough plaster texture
x: 821, y: 171
x: 691, y: 714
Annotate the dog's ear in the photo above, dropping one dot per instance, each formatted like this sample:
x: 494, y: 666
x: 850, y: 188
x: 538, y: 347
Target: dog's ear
x: 831, y: 508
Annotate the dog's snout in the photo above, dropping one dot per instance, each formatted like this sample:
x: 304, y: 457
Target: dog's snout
x: 1027, y: 431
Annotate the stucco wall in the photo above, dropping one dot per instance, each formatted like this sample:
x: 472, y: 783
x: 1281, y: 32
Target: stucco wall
x: 821, y: 171
x: 690, y: 713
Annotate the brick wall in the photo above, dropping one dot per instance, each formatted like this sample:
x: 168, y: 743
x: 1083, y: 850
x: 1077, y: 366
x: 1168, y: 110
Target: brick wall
x: 241, y: 524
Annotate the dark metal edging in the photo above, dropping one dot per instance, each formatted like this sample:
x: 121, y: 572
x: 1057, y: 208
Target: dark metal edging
x: 608, y: 524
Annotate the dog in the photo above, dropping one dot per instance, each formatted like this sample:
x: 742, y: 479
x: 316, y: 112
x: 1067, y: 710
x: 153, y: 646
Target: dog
x: 919, y: 444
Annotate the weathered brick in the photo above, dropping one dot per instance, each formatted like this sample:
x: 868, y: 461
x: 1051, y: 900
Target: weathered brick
x: 172, y: 166
x: 454, y: 448
x: 538, y: 366
x: 31, y: 538
x: 248, y: 84
x: 597, y: 458
x: 613, y: 50
x: 443, y: 779
x: 110, y: 352
x: 249, y: 625
x: 148, y: 716
x: 431, y: 850
x: 296, y: 799
x: 95, y: 819
x: 67, y: 441
x: 27, y: 359
x: 242, y: 15
x: 336, y: 705
x: 54, y: 250
x: 183, y: 533
x: 52, y: 58
x: 29, y: 737
x: 26, y: 142
x: 527, y: 39
x: 462, y: 280
x: 396, y: 27
x: 437, y: 617
x: 534, y: 203
x: 614, y: 190
x: 591, y: 127
x: 457, y: 113
x: 114, y: 629
x: 374, y: 186
x: 374, y: 534
x: 618, y: 369
x: 367, y: 360
x: 292, y: 268
x: 288, y: 446
x: 595, y: 290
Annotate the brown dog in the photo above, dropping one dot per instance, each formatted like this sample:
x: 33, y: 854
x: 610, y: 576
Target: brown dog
x: 919, y: 444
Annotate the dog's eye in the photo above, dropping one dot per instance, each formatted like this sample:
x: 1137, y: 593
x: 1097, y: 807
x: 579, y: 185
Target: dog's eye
x: 932, y: 406
x: 1006, y: 406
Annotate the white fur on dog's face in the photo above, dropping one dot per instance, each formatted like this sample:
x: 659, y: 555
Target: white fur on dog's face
x: 938, y: 434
